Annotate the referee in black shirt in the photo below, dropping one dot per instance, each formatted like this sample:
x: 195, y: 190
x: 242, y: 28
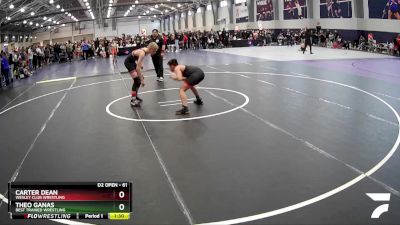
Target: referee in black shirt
x: 158, y: 57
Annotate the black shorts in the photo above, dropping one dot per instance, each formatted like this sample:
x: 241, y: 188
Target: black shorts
x: 335, y: 6
x: 195, y: 78
x: 131, y: 66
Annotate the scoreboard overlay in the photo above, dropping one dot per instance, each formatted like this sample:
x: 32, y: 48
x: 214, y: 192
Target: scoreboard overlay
x: 70, y: 200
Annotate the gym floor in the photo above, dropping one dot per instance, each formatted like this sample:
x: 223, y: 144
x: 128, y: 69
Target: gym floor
x: 283, y: 138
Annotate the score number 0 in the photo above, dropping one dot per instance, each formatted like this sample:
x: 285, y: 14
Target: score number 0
x: 121, y: 195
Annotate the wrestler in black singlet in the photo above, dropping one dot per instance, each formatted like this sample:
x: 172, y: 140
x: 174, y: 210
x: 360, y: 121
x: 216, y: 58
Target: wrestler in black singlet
x: 130, y: 62
x: 194, y: 75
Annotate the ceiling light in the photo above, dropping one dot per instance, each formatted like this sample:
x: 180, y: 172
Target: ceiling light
x: 87, y: 3
x: 22, y: 10
x: 179, y: 5
x: 156, y: 6
x: 152, y: 9
x: 136, y: 2
x: 88, y: 6
x: 57, y: 6
x: 147, y: 11
x: 11, y: 6
x: 166, y: 10
x: 155, y: 16
x: 32, y: 13
x: 8, y: 18
x: 44, y: 18
x: 130, y: 8
x: 41, y: 25
x: 24, y: 22
x: 51, y: 1
x: 111, y: 1
x: 37, y: 24
x: 30, y: 23
x: 62, y: 10
x: 139, y: 17
x: 48, y: 27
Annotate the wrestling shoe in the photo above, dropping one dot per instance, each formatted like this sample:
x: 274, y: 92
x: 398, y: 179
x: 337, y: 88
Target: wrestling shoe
x: 198, y: 101
x: 135, y: 103
x: 139, y: 99
x: 182, y: 111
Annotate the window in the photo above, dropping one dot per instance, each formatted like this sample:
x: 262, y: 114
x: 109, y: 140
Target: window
x: 223, y: 3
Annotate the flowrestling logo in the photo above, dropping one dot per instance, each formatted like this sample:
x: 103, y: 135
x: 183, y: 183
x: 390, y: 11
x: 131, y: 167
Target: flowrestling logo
x: 379, y: 197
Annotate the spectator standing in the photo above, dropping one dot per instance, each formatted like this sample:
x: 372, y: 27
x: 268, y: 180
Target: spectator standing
x: 85, y: 49
x: 308, y: 41
x: 39, y: 55
x: 47, y: 55
x: 57, y: 51
x: 10, y: 62
x: 30, y: 57
x: 70, y: 50
x: 171, y: 43
x: 177, y: 36
x: 106, y: 46
x: 35, y: 57
x: 96, y: 43
x: 185, y: 41
x: 5, y: 68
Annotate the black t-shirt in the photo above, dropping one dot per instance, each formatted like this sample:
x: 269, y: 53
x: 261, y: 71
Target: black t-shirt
x: 159, y: 41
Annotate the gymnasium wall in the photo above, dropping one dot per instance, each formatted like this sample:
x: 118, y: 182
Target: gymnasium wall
x: 350, y: 27
x: 216, y: 17
x: 90, y: 30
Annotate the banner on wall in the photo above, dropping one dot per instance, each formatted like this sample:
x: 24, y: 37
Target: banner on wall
x: 336, y: 9
x: 242, y: 13
x: 265, y: 10
x: 294, y: 9
x: 384, y: 9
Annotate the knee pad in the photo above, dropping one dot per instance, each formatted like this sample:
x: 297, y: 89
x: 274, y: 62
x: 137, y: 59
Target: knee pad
x: 137, y: 83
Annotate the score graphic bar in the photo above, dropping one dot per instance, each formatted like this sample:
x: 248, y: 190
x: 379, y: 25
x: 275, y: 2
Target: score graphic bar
x: 66, y: 200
